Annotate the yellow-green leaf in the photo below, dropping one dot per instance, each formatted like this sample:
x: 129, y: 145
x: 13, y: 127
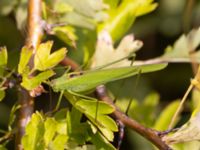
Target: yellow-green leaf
x: 31, y: 83
x: 2, y: 94
x: 43, y: 60
x: 3, y: 56
x: 33, y: 137
x: 50, y: 130
x: 25, y: 56
x: 59, y: 142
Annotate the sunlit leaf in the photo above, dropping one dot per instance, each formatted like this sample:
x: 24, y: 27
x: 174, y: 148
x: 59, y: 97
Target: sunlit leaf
x: 122, y: 18
x: 50, y: 130
x: 84, y: 13
x: 3, y: 59
x: 32, y: 139
x: 43, y: 60
x: 148, y: 6
x: 90, y: 107
x: 91, y: 79
x: 62, y: 7
x: 25, y: 56
x: 105, y: 124
x: 66, y: 34
x: 31, y: 83
x: 77, y: 130
x: 112, y: 4
x: 59, y: 142
x: 101, y: 143
x: 3, y: 56
x: 79, y: 20
x: 87, y: 7
x: 105, y: 52
x: 183, y: 46
x: 98, y: 110
x: 62, y: 127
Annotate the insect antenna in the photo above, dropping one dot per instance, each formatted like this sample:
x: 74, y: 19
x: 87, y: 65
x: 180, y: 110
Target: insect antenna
x: 132, y: 57
x: 134, y: 89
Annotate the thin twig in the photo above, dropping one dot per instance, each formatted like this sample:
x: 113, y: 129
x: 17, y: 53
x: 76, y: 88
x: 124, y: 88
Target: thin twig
x: 33, y: 40
x: 180, y: 107
x: 148, y: 133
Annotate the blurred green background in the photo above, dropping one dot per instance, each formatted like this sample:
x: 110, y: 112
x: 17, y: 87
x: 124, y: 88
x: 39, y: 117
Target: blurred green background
x: 157, y: 30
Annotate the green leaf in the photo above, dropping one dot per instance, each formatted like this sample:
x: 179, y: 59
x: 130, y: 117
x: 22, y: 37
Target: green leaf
x: 90, y: 107
x: 62, y: 7
x: 112, y: 4
x: 148, y: 6
x: 32, y: 139
x: 122, y: 18
x: 43, y: 60
x: 77, y: 130
x: 31, y: 83
x: 76, y: 115
x: 66, y: 34
x: 91, y: 79
x: 50, y: 130
x: 3, y: 59
x: 101, y: 143
x: 79, y: 20
x: 2, y: 94
x: 182, y: 47
x: 3, y: 56
x: 106, y: 125
x: 105, y: 52
x: 84, y: 13
x: 166, y: 115
x: 61, y: 114
x: 87, y: 7
x: 62, y: 127
x: 25, y: 56
x: 95, y: 113
x: 59, y: 142
x: 13, y: 115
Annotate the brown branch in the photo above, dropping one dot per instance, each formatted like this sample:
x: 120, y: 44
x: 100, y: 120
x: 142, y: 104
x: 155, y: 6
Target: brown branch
x: 33, y: 39
x: 150, y: 134
x: 68, y: 62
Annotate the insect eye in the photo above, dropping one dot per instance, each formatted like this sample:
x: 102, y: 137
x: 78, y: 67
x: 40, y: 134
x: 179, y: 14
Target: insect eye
x: 72, y: 75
